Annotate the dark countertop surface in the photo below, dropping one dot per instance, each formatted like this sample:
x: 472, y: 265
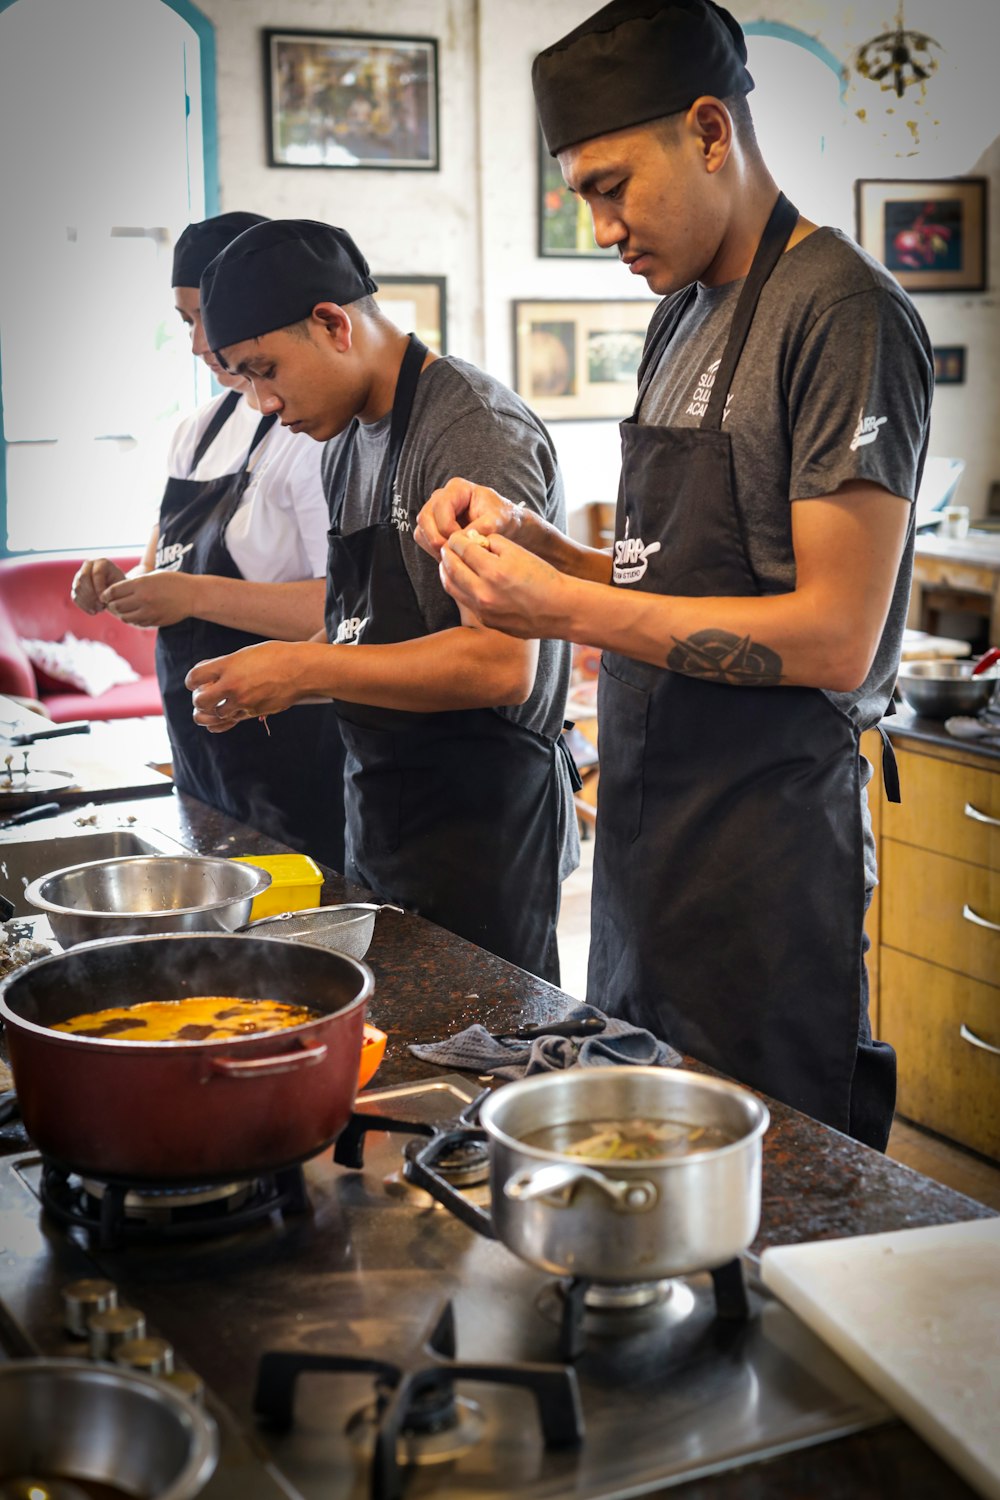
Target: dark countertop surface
x: 905, y: 725
x: 817, y: 1183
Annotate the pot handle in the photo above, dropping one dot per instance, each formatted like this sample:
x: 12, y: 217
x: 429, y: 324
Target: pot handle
x: 267, y: 1067
x: 560, y: 1182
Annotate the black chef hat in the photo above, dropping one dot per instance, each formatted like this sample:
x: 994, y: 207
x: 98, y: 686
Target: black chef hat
x: 201, y: 243
x: 274, y: 275
x: 634, y: 61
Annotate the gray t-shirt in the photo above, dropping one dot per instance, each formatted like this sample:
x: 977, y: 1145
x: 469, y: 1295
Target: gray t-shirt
x: 466, y: 423
x: 834, y: 384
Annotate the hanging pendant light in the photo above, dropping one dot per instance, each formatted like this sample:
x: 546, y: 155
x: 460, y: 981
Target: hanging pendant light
x: 899, y: 63
x: 897, y: 59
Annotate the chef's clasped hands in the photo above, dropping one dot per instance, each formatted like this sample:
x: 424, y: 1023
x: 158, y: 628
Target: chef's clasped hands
x: 250, y: 683
x: 146, y: 600
x: 500, y: 582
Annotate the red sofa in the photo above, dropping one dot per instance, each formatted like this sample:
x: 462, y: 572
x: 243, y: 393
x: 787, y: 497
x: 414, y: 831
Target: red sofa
x: 35, y: 604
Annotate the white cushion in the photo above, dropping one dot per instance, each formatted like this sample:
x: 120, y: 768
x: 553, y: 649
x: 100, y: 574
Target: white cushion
x: 90, y: 666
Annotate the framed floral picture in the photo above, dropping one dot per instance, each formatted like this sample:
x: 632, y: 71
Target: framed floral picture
x: 343, y: 99
x: 565, y: 227
x: 929, y: 232
x: 416, y: 304
x: 578, y: 360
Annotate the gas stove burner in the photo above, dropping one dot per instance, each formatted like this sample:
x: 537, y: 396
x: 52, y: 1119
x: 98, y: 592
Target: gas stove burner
x: 581, y: 1307
x: 444, y: 1440
x: 606, y: 1311
x: 162, y: 1203
x: 121, y: 1213
x: 416, y: 1417
x: 468, y: 1159
x: 397, y: 1186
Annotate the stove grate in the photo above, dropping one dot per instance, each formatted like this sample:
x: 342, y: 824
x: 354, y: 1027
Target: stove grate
x: 418, y: 1398
x: 120, y: 1213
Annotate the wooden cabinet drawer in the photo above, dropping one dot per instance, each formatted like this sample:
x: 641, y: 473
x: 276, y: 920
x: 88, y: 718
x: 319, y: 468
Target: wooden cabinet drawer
x: 945, y: 1082
x: 951, y: 808
x: 924, y: 897
x: 930, y: 906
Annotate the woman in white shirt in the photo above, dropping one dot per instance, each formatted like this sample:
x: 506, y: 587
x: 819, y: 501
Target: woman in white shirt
x: 238, y: 556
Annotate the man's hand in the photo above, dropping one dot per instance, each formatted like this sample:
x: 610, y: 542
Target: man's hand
x: 459, y: 504
x: 252, y: 682
x: 506, y: 587
x: 92, y: 578
x: 151, y: 599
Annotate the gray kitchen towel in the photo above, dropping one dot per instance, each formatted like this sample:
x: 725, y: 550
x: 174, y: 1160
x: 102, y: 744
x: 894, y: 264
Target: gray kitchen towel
x: 476, y: 1050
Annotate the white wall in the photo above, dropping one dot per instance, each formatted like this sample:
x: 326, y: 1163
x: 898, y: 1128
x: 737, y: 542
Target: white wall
x: 475, y: 221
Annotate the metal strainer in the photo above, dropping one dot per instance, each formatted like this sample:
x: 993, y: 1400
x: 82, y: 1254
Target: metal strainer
x: 347, y: 928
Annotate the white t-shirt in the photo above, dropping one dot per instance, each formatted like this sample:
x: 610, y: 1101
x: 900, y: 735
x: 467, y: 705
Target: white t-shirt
x: 278, y: 533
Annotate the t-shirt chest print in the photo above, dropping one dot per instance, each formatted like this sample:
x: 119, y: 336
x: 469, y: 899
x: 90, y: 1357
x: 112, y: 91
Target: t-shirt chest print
x: 698, y: 405
x: 399, y: 516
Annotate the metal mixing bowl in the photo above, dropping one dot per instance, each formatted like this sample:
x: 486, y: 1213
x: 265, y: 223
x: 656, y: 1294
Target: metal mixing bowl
x: 939, y: 689
x: 93, y: 1426
x: 146, y: 893
x: 347, y: 928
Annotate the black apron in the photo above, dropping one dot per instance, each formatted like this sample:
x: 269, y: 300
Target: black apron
x: 287, y: 783
x: 729, y: 889
x: 453, y: 815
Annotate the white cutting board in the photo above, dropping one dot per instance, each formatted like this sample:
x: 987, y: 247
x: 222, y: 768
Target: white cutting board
x: 915, y: 1313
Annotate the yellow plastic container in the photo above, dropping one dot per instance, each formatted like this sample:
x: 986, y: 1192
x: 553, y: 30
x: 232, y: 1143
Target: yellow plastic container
x: 296, y: 881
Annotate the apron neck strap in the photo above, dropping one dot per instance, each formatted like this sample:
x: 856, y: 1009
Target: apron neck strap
x: 402, y: 405
x: 220, y: 417
x: 777, y: 231
x: 263, y: 428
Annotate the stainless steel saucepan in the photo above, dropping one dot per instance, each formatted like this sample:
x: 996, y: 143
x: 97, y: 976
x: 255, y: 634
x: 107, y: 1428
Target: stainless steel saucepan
x: 617, y: 1222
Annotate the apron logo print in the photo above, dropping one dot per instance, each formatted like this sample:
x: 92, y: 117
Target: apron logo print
x: 170, y: 557
x: 631, y: 557
x: 349, y: 631
x: 866, y: 431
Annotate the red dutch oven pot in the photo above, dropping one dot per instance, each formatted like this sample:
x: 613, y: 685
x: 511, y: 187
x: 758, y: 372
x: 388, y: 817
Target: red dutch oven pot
x: 185, y: 1112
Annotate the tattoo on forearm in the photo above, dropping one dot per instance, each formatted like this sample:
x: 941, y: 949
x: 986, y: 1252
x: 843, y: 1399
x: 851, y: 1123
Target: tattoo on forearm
x: 721, y: 656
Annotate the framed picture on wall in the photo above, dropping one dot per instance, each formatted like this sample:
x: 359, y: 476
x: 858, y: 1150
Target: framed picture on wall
x: 565, y: 227
x: 930, y: 233
x: 578, y: 360
x: 416, y: 304
x: 342, y: 99
x: 949, y: 364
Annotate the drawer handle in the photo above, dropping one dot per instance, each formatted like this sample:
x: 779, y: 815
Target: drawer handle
x: 973, y: 916
x: 976, y: 1041
x: 980, y: 817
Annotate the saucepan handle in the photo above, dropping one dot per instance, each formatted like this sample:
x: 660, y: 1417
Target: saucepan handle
x: 557, y: 1183
x: 266, y: 1067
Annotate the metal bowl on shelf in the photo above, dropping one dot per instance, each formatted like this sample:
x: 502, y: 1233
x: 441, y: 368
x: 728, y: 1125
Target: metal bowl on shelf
x: 939, y: 689
x: 140, y: 894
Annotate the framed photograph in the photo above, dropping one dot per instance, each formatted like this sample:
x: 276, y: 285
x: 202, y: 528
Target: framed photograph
x: 341, y: 99
x: 949, y: 365
x: 930, y: 233
x: 575, y: 361
x: 416, y: 304
x: 565, y: 227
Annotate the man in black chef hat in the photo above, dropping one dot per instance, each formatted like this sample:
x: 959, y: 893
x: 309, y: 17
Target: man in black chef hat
x: 458, y: 793
x: 751, y: 610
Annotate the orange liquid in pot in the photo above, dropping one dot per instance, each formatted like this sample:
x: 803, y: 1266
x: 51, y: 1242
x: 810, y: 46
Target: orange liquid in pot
x: 197, y: 1018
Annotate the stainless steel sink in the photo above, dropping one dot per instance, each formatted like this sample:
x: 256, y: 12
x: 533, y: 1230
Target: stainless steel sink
x: 24, y: 859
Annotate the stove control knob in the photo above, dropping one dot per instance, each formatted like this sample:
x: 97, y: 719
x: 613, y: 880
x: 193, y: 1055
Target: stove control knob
x: 109, y: 1329
x: 82, y: 1299
x: 148, y: 1356
x: 189, y: 1384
